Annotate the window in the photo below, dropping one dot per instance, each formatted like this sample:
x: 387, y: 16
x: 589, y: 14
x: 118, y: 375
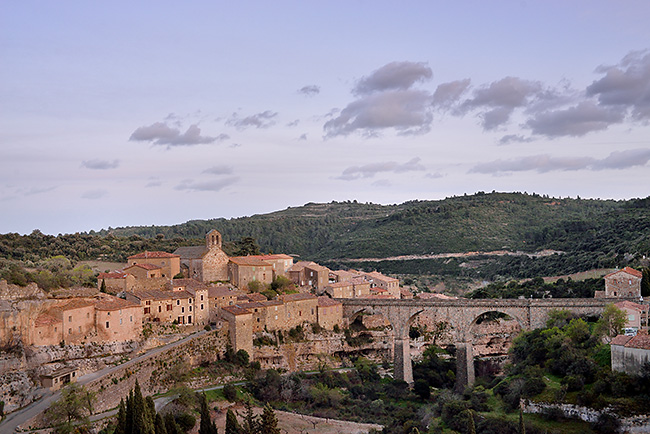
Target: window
x: 87, y: 314
x: 159, y: 308
x: 70, y: 331
x: 189, y: 300
x: 312, y: 311
x: 178, y: 302
x: 201, y: 306
x: 147, y: 310
x: 70, y: 318
x: 107, y: 324
x: 190, y: 308
x: 201, y: 297
x: 148, y: 302
x: 120, y: 321
x: 170, y: 307
x: 79, y: 329
x: 183, y: 309
x: 131, y: 318
x: 630, y: 317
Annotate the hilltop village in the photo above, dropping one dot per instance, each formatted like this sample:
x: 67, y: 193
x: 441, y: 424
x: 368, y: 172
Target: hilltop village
x: 191, y: 289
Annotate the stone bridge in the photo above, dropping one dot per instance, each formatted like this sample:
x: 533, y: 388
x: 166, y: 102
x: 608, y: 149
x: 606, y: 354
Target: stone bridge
x: 461, y: 315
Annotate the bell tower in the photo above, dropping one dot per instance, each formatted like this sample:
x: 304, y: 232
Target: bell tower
x: 213, y: 239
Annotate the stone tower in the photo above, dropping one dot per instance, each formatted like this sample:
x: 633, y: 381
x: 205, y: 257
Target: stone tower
x: 213, y: 239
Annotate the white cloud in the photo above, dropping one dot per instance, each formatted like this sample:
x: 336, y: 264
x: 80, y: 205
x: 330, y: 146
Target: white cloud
x: 370, y: 170
x: 100, y: 164
x: 160, y: 133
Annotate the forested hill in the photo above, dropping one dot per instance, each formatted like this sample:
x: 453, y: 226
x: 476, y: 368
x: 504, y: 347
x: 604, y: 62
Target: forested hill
x: 479, y: 222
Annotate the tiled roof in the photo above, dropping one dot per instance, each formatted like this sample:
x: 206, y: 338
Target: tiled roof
x: 189, y: 283
x: 620, y: 340
x: 379, y: 276
x: 299, y: 266
x: 256, y: 296
x: 144, y: 266
x: 326, y: 301
x: 249, y: 261
x: 148, y: 255
x: 191, y: 252
x: 297, y: 297
x: 112, y: 303
x: 155, y: 294
x: 627, y: 270
x: 45, y: 319
x: 631, y: 305
x: 641, y: 341
x: 278, y: 256
x: 221, y: 291
x: 340, y: 284
x: 316, y: 267
x: 236, y: 310
x: 113, y: 275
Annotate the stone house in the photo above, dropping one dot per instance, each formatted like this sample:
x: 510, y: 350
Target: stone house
x: 220, y: 296
x: 343, y: 289
x: 390, y: 284
x: 625, y: 283
x: 117, y: 320
x: 165, y: 306
x: 58, y: 378
x: 636, y: 314
x: 268, y: 315
x: 168, y: 264
x: 330, y: 313
x: 70, y: 322
x: 144, y: 271
x: 240, y: 327
x: 280, y: 263
x: 200, y: 292
x: 629, y: 354
x: 242, y: 270
x: 208, y: 263
x: 306, y: 273
x: 116, y: 281
x: 300, y: 308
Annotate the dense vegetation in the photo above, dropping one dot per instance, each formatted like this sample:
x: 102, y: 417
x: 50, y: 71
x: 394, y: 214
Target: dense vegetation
x: 587, y: 234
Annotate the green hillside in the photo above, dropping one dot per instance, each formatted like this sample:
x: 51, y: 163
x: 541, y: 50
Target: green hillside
x: 589, y: 233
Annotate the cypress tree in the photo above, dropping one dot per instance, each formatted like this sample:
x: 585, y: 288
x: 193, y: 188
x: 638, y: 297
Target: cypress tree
x: 269, y: 423
x: 207, y: 426
x: 170, y: 425
x: 121, y: 418
x: 159, y: 425
x: 250, y: 424
x: 232, y: 425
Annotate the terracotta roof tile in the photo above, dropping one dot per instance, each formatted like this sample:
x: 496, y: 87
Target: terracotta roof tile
x: 627, y: 270
x: 249, y: 261
x: 191, y: 252
x: 236, y: 310
x: 147, y: 255
x: 620, y: 340
x: 112, y: 303
x: 641, y: 341
x: 113, y: 275
x: 144, y: 266
x: 326, y: 301
x: 297, y: 297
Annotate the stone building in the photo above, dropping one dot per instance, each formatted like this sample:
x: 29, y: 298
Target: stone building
x: 625, y: 283
x: 220, y: 296
x: 280, y: 263
x: 240, y: 327
x: 306, y: 273
x: 390, y: 284
x: 343, y: 289
x: 70, y: 322
x: 300, y: 308
x: 144, y: 271
x: 116, y: 281
x: 242, y: 270
x: 207, y: 263
x: 168, y: 263
x: 200, y: 292
x: 630, y: 353
x: 101, y: 319
x: 117, y: 320
x: 165, y: 306
x: 330, y: 313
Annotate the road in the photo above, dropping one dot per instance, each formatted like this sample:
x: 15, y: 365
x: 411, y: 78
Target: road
x: 19, y: 417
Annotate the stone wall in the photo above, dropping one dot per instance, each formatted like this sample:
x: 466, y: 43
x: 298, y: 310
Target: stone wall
x: 629, y: 360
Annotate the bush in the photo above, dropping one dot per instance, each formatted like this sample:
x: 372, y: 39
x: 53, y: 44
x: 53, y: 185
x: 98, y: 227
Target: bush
x: 607, y: 423
x: 230, y: 392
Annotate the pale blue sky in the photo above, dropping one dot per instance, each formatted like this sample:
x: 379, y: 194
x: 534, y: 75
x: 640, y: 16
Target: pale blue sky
x: 140, y: 113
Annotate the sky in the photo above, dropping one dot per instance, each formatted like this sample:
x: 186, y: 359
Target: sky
x: 159, y: 112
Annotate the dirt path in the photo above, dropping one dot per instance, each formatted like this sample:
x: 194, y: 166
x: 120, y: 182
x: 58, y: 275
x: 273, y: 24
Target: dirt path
x: 454, y: 255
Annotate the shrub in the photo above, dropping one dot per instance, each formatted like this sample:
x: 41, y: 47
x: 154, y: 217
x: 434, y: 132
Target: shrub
x: 230, y: 392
